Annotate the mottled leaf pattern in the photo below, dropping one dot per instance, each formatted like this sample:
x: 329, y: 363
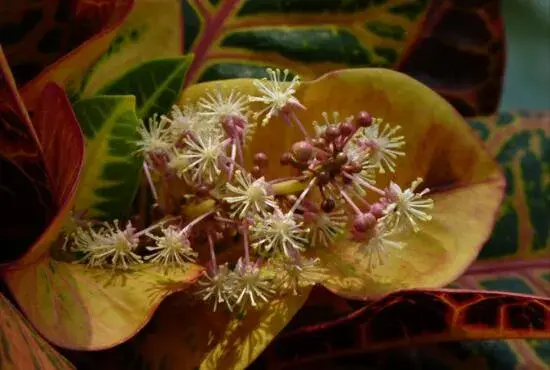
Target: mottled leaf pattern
x: 519, y: 276
x: 21, y: 347
x: 460, y: 53
x: 239, y: 38
x: 521, y: 144
x: 475, y: 355
x: 23, y: 180
x: 242, y: 37
x: 407, y: 318
x: 35, y: 34
x: 156, y: 84
x: 45, y: 31
x: 112, y: 170
x: 151, y: 31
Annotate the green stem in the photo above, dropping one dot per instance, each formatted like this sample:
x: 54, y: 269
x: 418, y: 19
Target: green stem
x: 281, y: 188
x: 289, y: 187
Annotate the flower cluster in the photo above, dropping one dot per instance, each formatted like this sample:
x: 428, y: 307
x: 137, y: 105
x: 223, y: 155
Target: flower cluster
x: 209, y: 201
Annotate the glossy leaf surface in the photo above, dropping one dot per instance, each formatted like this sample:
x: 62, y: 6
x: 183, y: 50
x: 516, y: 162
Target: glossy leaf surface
x: 112, y: 171
x: 410, y: 318
x: 24, y: 186
x: 156, y: 85
x: 187, y: 334
x: 63, y: 150
x: 460, y: 53
x: 21, y: 347
x: 152, y: 30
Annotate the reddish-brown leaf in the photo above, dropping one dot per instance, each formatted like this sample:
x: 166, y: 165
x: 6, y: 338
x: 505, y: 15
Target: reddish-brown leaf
x: 414, y: 317
x: 24, y: 193
x: 94, y: 23
x: 460, y: 53
x: 37, y: 33
x: 21, y: 347
x: 63, y: 149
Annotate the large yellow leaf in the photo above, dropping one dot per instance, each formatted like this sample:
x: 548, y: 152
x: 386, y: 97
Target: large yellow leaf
x: 82, y: 308
x: 21, y: 347
x: 188, y: 335
x: 466, y: 183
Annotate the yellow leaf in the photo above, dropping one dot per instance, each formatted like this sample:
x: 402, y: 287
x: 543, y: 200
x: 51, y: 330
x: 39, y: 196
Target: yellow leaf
x: 188, y: 335
x: 82, y: 308
x: 467, y: 185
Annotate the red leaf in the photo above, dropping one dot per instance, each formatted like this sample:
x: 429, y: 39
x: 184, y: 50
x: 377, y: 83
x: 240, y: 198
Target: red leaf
x: 24, y: 193
x: 415, y: 317
x: 62, y: 142
x: 37, y: 33
x: 93, y: 25
x: 63, y: 147
x: 460, y: 53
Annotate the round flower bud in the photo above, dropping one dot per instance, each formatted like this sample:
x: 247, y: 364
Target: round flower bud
x: 341, y: 159
x: 203, y: 191
x: 302, y: 151
x: 347, y: 128
x: 331, y: 133
x: 364, y: 222
x: 323, y: 178
x: 364, y: 119
x: 260, y: 159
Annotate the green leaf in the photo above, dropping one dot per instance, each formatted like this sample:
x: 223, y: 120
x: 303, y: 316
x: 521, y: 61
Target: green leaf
x: 111, y: 173
x: 520, y: 141
x: 156, y: 84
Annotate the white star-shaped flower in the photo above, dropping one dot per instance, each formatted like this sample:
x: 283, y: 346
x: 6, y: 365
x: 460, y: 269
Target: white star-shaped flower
x: 384, y: 145
x: 406, y: 207
x: 249, y: 197
x: 108, y: 246
x: 172, y: 248
x: 276, y: 96
x: 278, y: 232
x: 201, y: 156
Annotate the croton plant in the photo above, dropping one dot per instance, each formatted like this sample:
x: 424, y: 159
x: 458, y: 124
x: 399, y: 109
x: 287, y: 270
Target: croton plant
x: 223, y: 184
